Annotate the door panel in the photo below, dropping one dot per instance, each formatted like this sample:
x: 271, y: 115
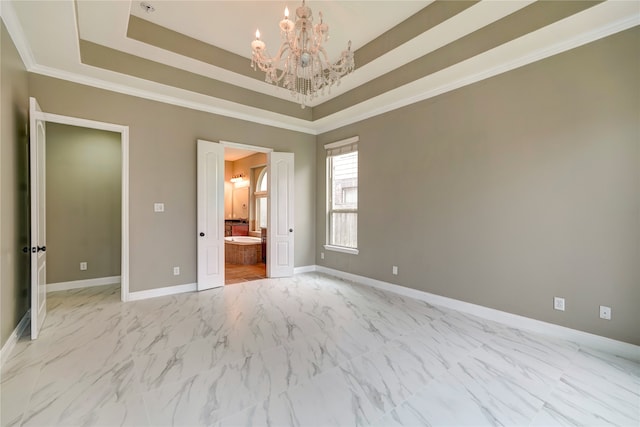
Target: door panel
x: 280, y: 235
x: 38, y: 218
x: 210, y: 215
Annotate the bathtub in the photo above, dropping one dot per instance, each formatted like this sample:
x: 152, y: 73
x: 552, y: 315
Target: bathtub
x: 245, y: 250
x: 243, y: 240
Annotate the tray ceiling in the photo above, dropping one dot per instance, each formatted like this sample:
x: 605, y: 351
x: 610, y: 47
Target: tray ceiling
x: 197, y: 53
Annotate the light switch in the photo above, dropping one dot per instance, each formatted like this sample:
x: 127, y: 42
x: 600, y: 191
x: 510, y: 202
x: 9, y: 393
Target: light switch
x: 158, y: 207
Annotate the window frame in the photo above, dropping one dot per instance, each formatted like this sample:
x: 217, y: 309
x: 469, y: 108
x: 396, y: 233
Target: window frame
x: 259, y: 196
x: 345, y: 143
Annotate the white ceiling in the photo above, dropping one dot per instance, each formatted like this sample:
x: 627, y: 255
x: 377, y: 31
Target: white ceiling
x: 231, y: 25
x: 47, y: 35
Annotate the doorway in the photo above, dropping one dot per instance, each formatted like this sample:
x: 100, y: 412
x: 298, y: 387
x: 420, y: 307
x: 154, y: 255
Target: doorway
x: 211, y: 212
x: 38, y: 122
x: 245, y: 214
x: 83, y: 198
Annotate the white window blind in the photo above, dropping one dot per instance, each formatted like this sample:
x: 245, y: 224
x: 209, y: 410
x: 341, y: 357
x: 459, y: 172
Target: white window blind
x: 342, y: 209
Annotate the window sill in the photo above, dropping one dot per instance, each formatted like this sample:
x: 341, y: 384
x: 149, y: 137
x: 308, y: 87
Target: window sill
x: 352, y: 251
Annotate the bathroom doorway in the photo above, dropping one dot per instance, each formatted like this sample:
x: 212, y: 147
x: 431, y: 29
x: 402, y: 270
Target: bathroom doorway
x: 245, y: 214
x: 280, y: 237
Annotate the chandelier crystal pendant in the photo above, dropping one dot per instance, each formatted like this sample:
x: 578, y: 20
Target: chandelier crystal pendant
x: 302, y: 65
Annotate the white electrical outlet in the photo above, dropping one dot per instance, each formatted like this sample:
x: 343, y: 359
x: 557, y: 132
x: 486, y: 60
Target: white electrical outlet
x: 83, y: 266
x: 321, y: 255
x: 176, y: 271
x: 158, y: 207
x: 394, y: 270
x: 605, y: 312
x: 558, y: 303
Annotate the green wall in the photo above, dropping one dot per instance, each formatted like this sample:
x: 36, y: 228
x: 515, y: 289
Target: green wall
x: 84, y: 194
x: 14, y: 195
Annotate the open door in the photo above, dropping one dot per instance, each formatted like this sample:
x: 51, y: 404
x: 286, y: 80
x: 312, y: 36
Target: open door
x: 38, y: 218
x: 280, y: 259
x: 210, y: 215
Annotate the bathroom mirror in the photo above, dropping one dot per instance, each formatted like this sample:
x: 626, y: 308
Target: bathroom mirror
x: 241, y: 203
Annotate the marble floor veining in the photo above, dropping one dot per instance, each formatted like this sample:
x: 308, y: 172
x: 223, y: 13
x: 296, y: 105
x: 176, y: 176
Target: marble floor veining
x: 311, y: 350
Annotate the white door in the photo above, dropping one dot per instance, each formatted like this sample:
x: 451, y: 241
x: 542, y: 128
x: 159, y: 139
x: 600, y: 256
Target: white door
x: 38, y: 218
x: 210, y: 215
x: 280, y: 229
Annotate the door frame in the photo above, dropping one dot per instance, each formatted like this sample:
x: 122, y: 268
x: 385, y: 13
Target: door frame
x: 247, y: 147
x: 124, y: 148
x: 257, y: 149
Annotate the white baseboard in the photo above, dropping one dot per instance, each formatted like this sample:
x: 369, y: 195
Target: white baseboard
x: 161, y: 292
x: 190, y: 287
x: 304, y: 269
x: 11, y: 342
x: 87, y: 283
x: 586, y: 339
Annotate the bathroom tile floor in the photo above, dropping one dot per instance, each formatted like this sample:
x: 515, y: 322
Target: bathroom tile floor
x: 310, y: 350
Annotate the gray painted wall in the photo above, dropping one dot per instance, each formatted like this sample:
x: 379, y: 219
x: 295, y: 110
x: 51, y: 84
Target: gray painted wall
x: 504, y: 193
x: 510, y: 191
x: 14, y: 196
x: 83, y: 203
x: 162, y: 168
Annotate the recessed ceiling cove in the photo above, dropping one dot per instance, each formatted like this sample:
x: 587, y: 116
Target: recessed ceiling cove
x: 197, y: 53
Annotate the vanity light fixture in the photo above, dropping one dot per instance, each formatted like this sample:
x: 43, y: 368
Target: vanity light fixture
x: 237, y: 178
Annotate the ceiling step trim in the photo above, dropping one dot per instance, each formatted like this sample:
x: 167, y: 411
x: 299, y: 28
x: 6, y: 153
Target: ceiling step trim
x: 391, y: 100
x: 394, y: 99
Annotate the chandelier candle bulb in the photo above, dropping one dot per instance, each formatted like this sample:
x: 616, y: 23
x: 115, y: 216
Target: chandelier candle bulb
x: 286, y: 25
x: 257, y: 45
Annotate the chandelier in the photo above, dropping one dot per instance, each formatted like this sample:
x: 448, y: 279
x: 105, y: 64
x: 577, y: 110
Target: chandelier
x: 302, y: 65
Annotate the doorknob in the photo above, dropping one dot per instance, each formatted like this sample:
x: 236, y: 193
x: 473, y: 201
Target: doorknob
x: 291, y: 230
x: 201, y: 234
x: 42, y: 249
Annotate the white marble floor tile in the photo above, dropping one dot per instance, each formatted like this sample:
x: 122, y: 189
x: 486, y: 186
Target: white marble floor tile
x: 333, y: 398
x: 126, y: 412
x: 15, y: 390
x: 63, y: 399
x: 446, y: 401
x: 212, y: 395
x: 556, y: 354
x: 310, y: 350
x: 393, y: 373
x: 597, y: 389
x: 179, y: 363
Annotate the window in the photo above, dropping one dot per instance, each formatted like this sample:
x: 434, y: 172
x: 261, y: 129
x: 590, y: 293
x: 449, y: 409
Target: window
x: 261, y: 200
x: 342, y: 196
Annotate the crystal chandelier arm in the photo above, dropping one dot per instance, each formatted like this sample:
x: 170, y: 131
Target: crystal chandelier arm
x: 345, y: 64
x: 266, y: 63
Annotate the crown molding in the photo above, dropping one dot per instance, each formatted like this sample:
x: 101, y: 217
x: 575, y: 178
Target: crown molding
x: 218, y: 106
x: 419, y: 90
x: 16, y: 32
x: 352, y: 115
